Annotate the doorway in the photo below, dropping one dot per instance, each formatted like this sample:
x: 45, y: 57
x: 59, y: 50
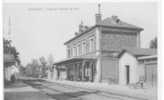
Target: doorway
x: 127, y: 74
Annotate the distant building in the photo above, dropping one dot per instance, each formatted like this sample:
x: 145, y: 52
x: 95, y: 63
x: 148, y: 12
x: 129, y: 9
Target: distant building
x: 8, y: 60
x: 93, y: 54
x: 9, y: 67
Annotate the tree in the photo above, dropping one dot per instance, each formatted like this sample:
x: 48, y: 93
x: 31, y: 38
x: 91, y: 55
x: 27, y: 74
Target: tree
x: 28, y: 70
x: 22, y: 70
x: 50, y: 65
x: 50, y: 60
x: 153, y: 43
x: 9, y: 49
x: 44, y: 67
x: 33, y: 68
x: 42, y: 60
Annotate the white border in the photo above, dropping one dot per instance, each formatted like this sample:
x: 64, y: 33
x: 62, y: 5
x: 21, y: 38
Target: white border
x: 160, y: 53
x: 1, y: 54
x: 160, y: 35
x: 73, y: 1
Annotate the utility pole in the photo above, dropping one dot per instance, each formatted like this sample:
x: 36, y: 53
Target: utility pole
x: 7, y: 34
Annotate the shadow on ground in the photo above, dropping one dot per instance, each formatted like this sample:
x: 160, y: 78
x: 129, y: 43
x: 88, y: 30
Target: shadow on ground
x: 40, y: 95
x: 25, y: 96
x: 16, y: 84
x: 70, y: 95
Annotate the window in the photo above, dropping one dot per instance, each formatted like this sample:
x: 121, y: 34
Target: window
x: 71, y: 52
x: 68, y: 53
x: 92, y: 44
x: 84, y: 47
x: 79, y: 49
x: 87, y: 46
x: 77, y: 54
x: 74, y: 51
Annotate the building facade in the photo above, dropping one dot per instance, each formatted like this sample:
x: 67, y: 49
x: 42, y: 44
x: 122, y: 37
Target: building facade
x: 92, y: 55
x: 10, y: 67
x: 150, y: 63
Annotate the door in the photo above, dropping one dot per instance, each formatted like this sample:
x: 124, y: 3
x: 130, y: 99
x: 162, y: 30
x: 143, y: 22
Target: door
x: 127, y: 72
x: 93, y: 72
x: 151, y: 74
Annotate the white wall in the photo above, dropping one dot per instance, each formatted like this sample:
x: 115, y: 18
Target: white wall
x: 54, y: 74
x: 128, y: 59
x: 141, y: 70
x: 49, y: 75
x: 98, y: 54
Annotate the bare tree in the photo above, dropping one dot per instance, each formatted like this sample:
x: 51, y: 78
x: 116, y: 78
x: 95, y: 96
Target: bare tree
x: 50, y: 60
x: 153, y: 43
x: 44, y: 67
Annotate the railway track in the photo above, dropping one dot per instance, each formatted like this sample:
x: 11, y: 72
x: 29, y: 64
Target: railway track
x: 50, y: 89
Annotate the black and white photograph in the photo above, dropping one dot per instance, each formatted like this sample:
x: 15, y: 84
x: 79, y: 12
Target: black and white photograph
x: 80, y: 51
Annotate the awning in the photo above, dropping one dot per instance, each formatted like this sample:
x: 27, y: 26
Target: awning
x: 147, y: 57
x: 71, y: 60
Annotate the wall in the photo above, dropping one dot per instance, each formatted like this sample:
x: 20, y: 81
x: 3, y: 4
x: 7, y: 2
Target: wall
x: 151, y: 74
x: 81, y: 39
x: 110, y: 70
x: 149, y: 70
x: 141, y: 71
x: 113, y: 39
x: 128, y: 59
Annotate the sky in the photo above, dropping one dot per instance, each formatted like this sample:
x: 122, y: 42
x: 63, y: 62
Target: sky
x: 41, y: 29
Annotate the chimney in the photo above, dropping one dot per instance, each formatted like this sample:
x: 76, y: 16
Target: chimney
x: 98, y: 19
x: 76, y: 33
x: 98, y: 16
x: 81, y: 27
x: 115, y: 19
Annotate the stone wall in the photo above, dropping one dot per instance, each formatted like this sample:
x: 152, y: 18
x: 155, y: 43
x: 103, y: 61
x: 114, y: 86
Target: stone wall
x: 80, y: 40
x: 110, y: 70
x: 115, y: 39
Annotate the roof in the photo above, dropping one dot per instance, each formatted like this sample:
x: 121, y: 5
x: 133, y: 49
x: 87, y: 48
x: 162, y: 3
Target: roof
x: 147, y: 57
x: 113, y: 22
x: 138, y: 51
x: 86, y: 31
x: 117, y: 23
x: 67, y: 60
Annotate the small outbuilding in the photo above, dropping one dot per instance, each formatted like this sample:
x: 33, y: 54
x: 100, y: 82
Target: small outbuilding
x: 137, y: 64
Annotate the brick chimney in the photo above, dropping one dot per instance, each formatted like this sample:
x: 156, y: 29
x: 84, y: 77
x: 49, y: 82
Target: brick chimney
x: 115, y: 19
x: 98, y: 18
x: 98, y: 15
x: 81, y: 27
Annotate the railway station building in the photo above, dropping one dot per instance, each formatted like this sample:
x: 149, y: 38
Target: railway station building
x: 97, y: 53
